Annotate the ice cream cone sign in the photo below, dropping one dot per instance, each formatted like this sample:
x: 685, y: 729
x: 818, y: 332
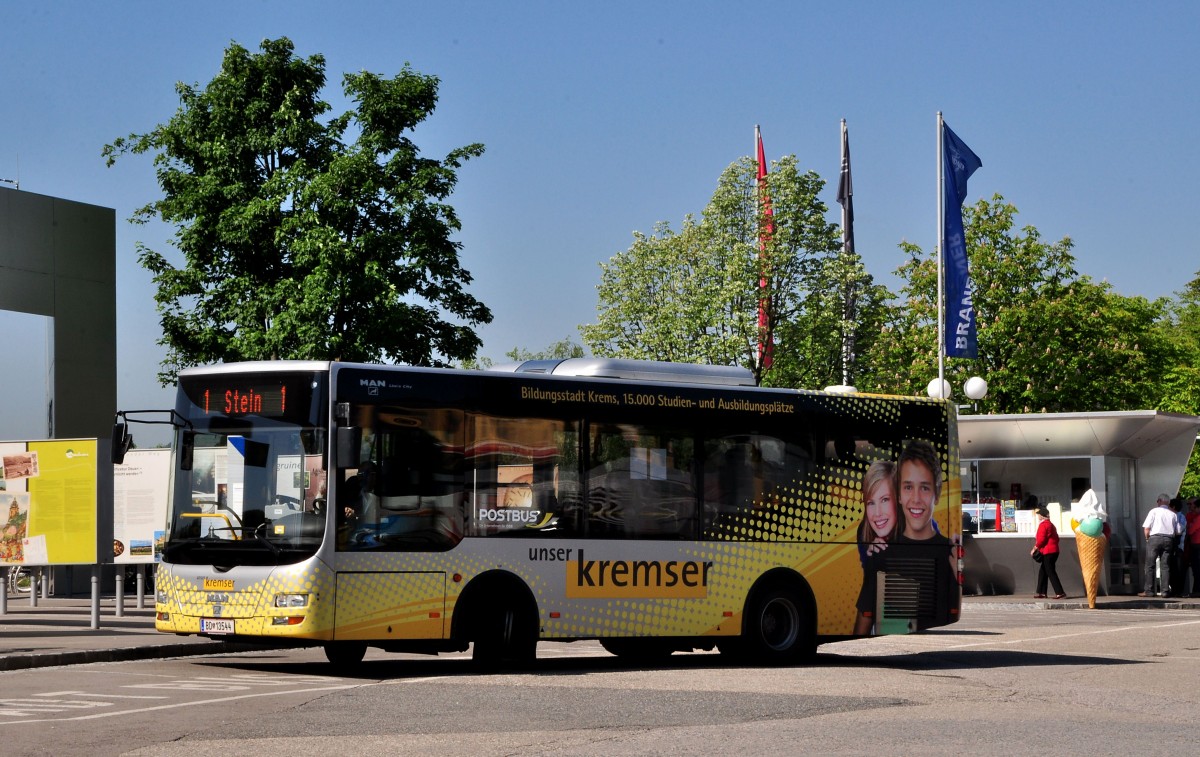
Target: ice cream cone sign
x: 1089, y: 514
x: 1090, y: 541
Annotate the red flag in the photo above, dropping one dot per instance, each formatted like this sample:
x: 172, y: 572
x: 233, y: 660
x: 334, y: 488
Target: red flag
x: 764, y: 237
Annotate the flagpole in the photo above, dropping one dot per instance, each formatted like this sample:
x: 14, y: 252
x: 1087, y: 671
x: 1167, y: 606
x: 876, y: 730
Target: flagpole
x: 941, y: 247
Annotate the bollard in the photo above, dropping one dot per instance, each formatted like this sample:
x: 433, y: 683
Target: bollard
x: 120, y: 597
x: 95, y: 597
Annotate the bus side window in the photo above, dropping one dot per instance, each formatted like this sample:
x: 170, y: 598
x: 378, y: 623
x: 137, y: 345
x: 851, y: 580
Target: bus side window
x: 572, y: 513
x: 543, y: 494
x: 519, y: 472
x: 607, y: 488
x: 641, y: 484
x: 410, y: 491
x: 748, y: 472
x: 732, y: 475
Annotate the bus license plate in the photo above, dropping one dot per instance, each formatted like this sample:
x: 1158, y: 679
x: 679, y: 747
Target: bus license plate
x: 216, y: 625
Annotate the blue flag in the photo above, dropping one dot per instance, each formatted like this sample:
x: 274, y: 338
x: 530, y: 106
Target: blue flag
x: 958, y: 163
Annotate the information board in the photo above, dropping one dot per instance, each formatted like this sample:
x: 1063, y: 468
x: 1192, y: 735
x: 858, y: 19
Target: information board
x: 48, y: 502
x: 140, y: 493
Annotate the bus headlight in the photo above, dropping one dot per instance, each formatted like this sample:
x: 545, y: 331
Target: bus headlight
x: 291, y: 600
x: 161, y: 596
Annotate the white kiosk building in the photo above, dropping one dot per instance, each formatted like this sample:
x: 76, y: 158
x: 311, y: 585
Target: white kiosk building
x: 1128, y: 458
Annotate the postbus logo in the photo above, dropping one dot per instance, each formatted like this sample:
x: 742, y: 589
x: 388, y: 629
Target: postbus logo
x: 637, y: 579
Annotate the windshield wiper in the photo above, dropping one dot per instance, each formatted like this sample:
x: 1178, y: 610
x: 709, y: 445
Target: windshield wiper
x: 262, y: 539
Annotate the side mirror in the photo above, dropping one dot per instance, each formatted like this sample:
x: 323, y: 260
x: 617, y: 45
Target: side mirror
x: 186, y: 447
x: 122, y: 440
x: 349, y: 440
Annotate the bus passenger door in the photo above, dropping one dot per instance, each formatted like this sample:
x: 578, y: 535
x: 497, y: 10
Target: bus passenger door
x: 389, y: 605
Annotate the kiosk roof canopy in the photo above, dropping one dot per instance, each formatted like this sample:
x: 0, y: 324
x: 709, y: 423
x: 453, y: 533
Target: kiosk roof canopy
x: 1132, y: 434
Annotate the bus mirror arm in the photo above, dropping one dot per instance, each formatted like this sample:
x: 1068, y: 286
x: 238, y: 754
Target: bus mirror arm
x: 122, y: 440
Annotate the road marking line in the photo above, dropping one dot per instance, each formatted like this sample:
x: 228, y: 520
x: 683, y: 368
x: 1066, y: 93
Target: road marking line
x: 106, y: 696
x: 1118, y: 629
x: 177, y: 705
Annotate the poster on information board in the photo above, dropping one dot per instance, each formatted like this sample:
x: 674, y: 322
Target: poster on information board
x: 140, y: 506
x: 48, y: 502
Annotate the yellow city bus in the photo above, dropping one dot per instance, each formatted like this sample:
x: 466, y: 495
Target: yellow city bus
x: 655, y: 507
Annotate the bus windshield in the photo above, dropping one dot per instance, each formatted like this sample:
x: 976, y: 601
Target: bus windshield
x: 249, y: 481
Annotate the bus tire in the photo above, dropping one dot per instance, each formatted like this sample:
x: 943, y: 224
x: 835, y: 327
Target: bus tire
x: 641, y: 650
x: 506, y: 636
x: 345, y: 654
x: 777, y: 630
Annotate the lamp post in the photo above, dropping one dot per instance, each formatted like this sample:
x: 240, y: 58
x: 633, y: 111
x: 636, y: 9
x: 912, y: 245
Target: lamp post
x: 975, y: 388
x: 938, y: 389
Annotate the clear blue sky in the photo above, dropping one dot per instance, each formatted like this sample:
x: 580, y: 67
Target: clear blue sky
x: 602, y: 118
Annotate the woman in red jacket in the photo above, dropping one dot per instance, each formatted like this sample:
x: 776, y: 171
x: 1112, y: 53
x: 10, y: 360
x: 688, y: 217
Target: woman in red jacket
x: 1046, y: 541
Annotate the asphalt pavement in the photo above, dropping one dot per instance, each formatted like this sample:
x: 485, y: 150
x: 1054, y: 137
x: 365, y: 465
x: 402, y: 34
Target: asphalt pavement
x: 58, y: 631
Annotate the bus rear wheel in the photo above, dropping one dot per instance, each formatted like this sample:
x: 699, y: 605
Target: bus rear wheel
x: 345, y: 654
x: 506, y: 637
x: 776, y: 629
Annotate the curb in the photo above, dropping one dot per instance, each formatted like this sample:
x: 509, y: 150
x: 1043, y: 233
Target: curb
x: 125, y: 654
x: 1081, y: 604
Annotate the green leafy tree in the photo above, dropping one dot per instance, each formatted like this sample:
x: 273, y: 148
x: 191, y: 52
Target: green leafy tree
x: 841, y: 320
x: 1180, y: 385
x: 663, y: 299
x: 1049, y: 339
x: 1181, y: 327
x: 560, y: 350
x: 296, y: 242
x: 1090, y: 349
x: 694, y: 296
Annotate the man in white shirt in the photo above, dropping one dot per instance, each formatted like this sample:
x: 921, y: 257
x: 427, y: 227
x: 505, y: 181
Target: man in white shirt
x: 1162, y: 532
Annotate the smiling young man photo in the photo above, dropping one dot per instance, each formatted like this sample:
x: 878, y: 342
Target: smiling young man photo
x: 919, y: 553
x: 919, y: 483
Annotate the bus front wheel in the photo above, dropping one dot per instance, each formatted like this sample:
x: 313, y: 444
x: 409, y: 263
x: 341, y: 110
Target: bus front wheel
x: 777, y: 629
x: 345, y: 654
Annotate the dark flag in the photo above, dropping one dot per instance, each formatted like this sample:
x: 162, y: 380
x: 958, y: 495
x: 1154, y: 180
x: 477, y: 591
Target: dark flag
x: 958, y: 163
x: 845, y: 194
